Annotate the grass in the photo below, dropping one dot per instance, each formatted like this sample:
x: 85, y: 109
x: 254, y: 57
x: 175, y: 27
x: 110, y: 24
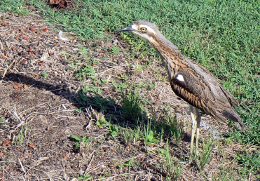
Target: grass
x: 170, y: 164
x: 223, y: 36
x: 206, y: 154
x: 21, y: 136
x: 132, y: 107
x: 79, y: 142
x: 15, y: 6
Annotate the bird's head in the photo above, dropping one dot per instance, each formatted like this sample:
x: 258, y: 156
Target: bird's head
x: 143, y: 29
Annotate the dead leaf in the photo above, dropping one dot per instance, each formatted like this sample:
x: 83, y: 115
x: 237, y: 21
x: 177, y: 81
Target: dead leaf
x: 59, y: 3
x: 18, y: 87
x: 54, y: 2
x: 7, y: 143
x: 33, y: 29
x: 25, y: 87
x: 45, y: 29
x: 32, y: 146
x: 1, y: 155
x: 25, y: 37
x: 66, y: 156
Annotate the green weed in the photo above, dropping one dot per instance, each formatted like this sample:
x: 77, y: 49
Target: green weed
x: 116, y: 50
x: 251, y: 163
x: 85, y: 177
x: 114, y: 131
x: 79, y: 141
x: 128, y: 164
x: 149, y: 135
x: 92, y: 89
x: 21, y: 136
x: 44, y: 75
x: 2, y: 120
x: 206, y: 155
x: 102, y: 122
x: 86, y: 72
x: 132, y: 107
x: 120, y: 87
x: 173, y: 168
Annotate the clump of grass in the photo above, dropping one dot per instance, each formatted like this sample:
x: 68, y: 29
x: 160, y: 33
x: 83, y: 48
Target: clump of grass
x: 251, y: 163
x: 132, y: 106
x: 206, y: 155
x: 2, y: 120
x: 114, y: 130
x: 132, y: 135
x: 128, y: 164
x: 86, y: 72
x: 85, y: 177
x: 173, y: 169
x: 174, y: 128
x: 79, y: 141
x: 20, y: 138
x: 150, y: 137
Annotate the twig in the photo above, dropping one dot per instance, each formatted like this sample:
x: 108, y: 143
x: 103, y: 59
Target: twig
x: 23, y: 169
x: 91, y: 159
x: 9, y: 67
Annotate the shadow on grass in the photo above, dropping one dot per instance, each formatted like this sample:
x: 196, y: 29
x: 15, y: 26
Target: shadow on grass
x: 79, y: 100
x: 129, y: 115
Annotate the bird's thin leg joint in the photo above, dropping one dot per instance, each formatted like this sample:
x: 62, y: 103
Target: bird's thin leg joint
x: 194, y: 127
x: 195, y: 116
x: 198, y: 119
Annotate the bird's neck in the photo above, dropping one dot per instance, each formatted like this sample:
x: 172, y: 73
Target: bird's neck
x: 169, y: 51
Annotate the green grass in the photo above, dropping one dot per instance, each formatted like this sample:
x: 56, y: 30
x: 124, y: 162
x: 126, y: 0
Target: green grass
x: 221, y: 35
x: 15, y: 6
x: 132, y: 106
x: 79, y: 142
x: 206, y: 155
x: 174, y: 170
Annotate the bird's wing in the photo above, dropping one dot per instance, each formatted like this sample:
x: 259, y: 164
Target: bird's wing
x: 190, y: 87
x: 202, y: 90
x: 206, y: 75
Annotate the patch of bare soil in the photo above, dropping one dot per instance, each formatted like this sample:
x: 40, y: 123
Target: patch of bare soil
x: 42, y: 106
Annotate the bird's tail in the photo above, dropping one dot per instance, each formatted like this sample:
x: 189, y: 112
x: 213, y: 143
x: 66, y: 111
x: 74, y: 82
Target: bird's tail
x: 233, y: 116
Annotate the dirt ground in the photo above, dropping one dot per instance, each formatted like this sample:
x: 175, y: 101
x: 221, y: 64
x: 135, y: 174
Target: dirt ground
x: 40, y: 109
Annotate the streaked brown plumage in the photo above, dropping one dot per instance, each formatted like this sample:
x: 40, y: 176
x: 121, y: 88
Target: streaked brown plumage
x: 188, y: 80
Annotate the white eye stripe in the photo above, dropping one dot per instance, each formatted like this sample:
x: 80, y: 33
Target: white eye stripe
x: 180, y: 78
x: 150, y: 29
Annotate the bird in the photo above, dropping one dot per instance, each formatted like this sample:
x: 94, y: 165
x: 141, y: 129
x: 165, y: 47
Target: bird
x: 190, y: 81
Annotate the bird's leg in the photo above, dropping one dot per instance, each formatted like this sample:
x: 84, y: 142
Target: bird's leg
x: 194, y: 127
x: 198, y: 119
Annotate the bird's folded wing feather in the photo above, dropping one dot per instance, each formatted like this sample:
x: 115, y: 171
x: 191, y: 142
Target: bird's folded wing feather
x: 214, y: 80
x: 191, y: 89
x: 201, y: 89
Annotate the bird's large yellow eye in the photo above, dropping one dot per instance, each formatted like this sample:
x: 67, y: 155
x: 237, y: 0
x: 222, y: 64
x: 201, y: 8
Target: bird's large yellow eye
x: 143, y: 29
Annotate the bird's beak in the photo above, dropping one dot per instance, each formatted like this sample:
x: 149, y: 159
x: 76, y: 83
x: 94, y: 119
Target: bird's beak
x: 128, y: 29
